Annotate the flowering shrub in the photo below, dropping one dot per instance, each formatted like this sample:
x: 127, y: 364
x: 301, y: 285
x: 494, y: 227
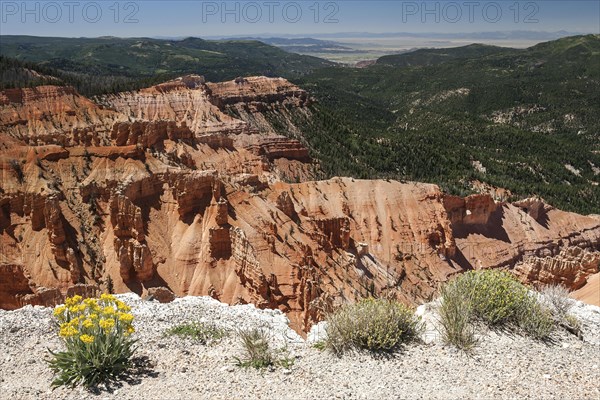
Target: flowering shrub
x: 96, y: 333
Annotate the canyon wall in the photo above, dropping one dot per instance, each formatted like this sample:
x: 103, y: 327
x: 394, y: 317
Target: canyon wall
x: 185, y: 185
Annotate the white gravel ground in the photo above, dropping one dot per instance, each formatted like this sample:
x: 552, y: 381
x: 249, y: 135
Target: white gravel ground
x: 502, y: 367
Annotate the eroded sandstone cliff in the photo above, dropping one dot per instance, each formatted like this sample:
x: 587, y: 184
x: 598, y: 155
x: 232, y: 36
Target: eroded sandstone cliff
x: 183, y: 185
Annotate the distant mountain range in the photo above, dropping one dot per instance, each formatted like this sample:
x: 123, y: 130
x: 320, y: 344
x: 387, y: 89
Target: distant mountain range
x: 304, y: 45
x: 519, y: 34
x: 148, y: 58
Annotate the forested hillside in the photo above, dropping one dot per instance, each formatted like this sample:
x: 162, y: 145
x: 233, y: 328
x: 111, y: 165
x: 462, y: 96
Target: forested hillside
x: 524, y: 120
x: 105, y: 65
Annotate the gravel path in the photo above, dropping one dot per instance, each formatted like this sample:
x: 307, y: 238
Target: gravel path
x: 502, y: 367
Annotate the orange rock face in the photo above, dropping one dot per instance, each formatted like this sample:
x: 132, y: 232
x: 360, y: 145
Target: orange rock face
x: 590, y: 292
x: 182, y: 186
x: 570, y: 268
x: 54, y: 115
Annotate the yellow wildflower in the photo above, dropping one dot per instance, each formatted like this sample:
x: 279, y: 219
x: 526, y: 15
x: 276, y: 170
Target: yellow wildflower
x: 68, y: 331
x: 122, y: 306
x: 74, y: 309
x: 107, y: 324
x: 88, y: 323
x: 59, y: 311
x: 87, y: 338
x: 93, y: 316
x: 90, y: 302
x: 130, y: 330
x: 107, y: 297
x: 71, y: 301
x: 108, y: 310
x: 124, y: 317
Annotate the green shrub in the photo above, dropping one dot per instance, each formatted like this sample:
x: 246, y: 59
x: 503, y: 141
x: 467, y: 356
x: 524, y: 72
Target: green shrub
x: 495, y: 295
x: 456, y: 314
x: 201, y: 332
x: 96, y: 334
x: 371, y: 324
x: 572, y: 324
x: 257, y: 350
x: 495, y: 298
x: 320, y: 345
x: 534, y: 319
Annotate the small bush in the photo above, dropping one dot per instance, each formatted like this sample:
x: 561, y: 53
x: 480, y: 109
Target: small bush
x: 495, y: 295
x: 258, y: 352
x: 572, y: 324
x: 557, y: 297
x: 497, y: 299
x: 534, y: 319
x: 96, y: 333
x: 456, y: 314
x: 284, y: 359
x: 320, y: 345
x: 203, y: 333
x: 371, y: 324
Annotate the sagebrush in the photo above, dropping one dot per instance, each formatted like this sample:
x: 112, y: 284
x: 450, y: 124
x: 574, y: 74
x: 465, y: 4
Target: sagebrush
x: 371, y: 324
x: 495, y: 298
x: 557, y: 297
x: 456, y: 314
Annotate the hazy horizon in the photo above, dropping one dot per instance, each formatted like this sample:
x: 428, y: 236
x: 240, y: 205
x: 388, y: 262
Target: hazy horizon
x: 324, y: 36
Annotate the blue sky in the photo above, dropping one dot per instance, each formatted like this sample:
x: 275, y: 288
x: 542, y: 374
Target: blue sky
x: 226, y: 18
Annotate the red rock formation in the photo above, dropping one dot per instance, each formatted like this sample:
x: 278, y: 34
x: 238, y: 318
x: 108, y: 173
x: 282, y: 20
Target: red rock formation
x: 257, y: 93
x: 54, y: 115
x: 590, y: 292
x: 48, y: 297
x: 472, y: 210
x: 132, y: 252
x: 13, y: 286
x: 570, y: 268
x: 83, y: 290
x: 186, y: 102
x: 148, y: 133
x: 57, y: 236
x: 178, y: 193
x: 162, y: 294
x: 278, y: 147
x: 534, y: 207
